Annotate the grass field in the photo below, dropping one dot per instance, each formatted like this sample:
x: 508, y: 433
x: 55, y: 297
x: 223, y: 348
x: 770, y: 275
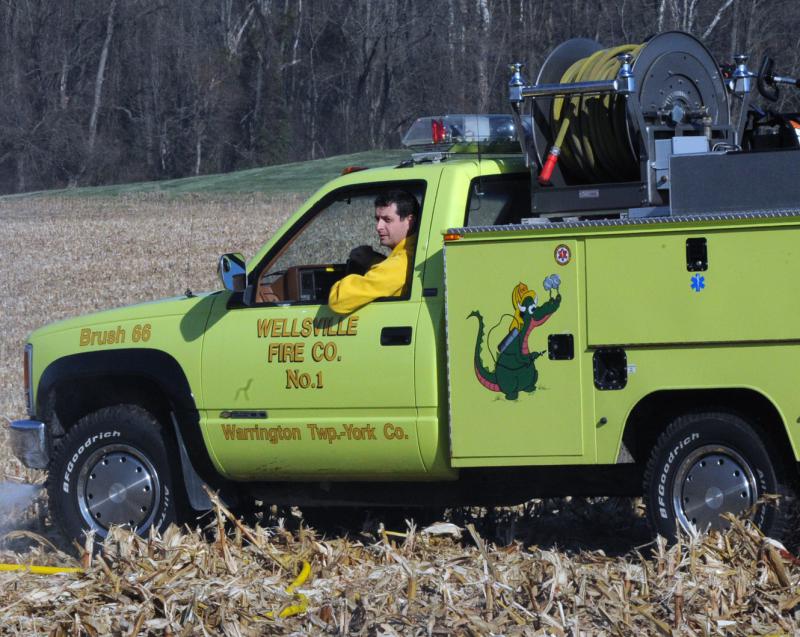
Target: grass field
x: 301, y: 177
x: 74, y: 253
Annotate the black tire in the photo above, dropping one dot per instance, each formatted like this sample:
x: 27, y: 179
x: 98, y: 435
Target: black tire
x: 112, y: 467
x: 706, y: 464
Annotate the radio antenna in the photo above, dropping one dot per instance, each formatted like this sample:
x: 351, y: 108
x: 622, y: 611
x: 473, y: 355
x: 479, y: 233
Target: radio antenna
x: 189, y: 294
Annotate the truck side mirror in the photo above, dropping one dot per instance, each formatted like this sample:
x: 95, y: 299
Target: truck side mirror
x: 232, y: 272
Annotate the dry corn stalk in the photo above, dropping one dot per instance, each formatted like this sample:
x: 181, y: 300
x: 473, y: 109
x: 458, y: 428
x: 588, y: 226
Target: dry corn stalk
x: 236, y: 583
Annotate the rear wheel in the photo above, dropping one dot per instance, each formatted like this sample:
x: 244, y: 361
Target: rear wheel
x: 112, y: 468
x: 707, y: 464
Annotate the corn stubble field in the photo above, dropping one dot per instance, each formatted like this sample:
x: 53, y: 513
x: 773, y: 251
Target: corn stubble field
x: 550, y: 568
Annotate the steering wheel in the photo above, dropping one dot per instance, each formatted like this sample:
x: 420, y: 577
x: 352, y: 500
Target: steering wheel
x: 352, y: 266
x: 361, y: 259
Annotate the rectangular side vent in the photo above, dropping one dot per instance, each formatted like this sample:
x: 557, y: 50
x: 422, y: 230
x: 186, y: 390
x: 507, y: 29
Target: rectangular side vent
x: 696, y: 255
x: 610, y: 368
x: 560, y: 347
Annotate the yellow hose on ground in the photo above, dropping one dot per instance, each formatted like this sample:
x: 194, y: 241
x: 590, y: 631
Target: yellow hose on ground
x: 302, y: 601
x: 40, y: 570
x: 295, y: 609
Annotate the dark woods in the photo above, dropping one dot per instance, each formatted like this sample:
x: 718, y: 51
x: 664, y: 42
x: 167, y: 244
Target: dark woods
x: 101, y: 91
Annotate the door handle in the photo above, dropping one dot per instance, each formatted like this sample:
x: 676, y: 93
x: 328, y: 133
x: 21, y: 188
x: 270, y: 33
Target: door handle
x: 396, y: 336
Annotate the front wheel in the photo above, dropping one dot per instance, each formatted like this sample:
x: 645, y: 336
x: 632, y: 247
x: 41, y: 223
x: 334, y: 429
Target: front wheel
x: 707, y: 464
x: 112, y: 468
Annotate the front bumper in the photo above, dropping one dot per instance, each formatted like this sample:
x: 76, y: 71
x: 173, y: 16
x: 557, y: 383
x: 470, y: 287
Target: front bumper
x: 29, y: 443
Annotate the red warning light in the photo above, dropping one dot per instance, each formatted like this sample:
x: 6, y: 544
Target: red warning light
x: 437, y: 131
x: 352, y: 169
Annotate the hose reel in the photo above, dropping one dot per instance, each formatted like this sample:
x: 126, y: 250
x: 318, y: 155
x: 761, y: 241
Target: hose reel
x: 678, y: 84
x: 606, y: 135
x: 638, y: 129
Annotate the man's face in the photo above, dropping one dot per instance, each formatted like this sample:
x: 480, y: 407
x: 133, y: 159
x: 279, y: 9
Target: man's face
x: 391, y: 228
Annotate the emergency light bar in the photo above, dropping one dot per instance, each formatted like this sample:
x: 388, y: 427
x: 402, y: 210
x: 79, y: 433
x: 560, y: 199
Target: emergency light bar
x: 464, y: 134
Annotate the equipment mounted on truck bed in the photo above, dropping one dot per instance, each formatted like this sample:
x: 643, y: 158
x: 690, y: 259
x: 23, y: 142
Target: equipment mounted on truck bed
x: 638, y: 130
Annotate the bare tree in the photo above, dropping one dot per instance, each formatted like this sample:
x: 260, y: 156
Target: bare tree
x: 167, y: 88
x: 100, y: 78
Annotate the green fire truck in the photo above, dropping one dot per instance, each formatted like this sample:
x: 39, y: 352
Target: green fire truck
x: 602, y: 302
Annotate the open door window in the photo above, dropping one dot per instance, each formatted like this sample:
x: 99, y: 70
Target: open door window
x: 304, y: 267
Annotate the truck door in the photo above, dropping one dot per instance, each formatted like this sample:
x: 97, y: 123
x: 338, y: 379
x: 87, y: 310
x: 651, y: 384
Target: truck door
x: 293, y: 390
x: 514, y: 345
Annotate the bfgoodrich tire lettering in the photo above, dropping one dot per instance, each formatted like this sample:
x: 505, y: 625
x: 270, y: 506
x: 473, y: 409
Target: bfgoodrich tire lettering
x: 112, y: 468
x: 706, y: 464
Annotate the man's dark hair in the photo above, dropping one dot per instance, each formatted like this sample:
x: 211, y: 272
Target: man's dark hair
x: 407, y: 203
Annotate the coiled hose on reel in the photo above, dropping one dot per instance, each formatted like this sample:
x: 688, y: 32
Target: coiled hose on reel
x: 594, y: 136
x: 591, y: 136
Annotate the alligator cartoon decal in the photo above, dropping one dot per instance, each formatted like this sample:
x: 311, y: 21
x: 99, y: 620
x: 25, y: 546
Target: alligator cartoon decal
x: 515, y: 368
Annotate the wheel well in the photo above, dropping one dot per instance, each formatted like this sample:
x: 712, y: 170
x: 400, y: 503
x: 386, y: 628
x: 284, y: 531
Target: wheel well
x: 651, y: 416
x: 69, y: 401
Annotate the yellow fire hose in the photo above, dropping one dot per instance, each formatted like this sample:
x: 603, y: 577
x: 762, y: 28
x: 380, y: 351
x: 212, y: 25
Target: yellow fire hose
x: 300, y: 606
x: 586, y: 123
x: 302, y: 601
x: 295, y: 609
x: 40, y: 570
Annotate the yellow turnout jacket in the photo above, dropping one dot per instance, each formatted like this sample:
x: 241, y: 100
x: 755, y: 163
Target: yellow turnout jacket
x: 387, y: 278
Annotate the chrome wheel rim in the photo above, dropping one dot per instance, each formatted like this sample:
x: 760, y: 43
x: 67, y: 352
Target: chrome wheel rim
x: 118, y: 485
x: 712, y: 480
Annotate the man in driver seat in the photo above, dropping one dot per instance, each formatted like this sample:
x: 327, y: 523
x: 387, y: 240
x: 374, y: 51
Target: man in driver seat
x: 396, y: 215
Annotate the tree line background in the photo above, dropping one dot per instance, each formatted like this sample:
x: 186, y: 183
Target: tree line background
x: 107, y: 91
